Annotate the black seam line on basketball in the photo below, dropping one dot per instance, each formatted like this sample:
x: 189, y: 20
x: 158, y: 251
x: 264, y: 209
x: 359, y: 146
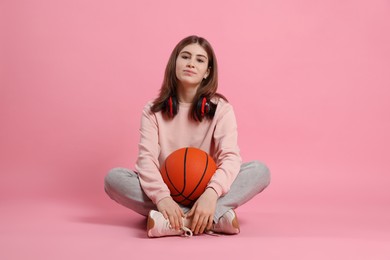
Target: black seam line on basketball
x: 191, y: 201
x: 204, y: 173
x: 185, y: 198
x: 185, y: 181
x: 169, y: 179
x: 185, y: 174
x: 185, y: 171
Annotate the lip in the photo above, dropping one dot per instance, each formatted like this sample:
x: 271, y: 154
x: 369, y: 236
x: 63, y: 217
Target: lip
x: 189, y: 72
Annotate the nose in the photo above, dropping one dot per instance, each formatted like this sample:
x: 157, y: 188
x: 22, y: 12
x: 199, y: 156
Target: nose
x: 190, y: 63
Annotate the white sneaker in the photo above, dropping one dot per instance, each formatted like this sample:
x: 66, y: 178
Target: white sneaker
x: 227, y: 224
x: 158, y: 226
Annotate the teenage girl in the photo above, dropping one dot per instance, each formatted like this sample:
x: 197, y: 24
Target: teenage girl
x: 188, y: 113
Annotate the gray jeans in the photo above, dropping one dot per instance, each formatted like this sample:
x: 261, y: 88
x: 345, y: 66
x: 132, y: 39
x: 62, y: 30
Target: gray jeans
x: 123, y: 186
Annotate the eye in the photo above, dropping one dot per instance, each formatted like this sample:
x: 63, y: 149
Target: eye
x: 200, y: 60
x: 185, y: 56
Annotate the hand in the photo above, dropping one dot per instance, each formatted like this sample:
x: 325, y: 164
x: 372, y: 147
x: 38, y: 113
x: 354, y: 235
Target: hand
x: 203, y: 211
x: 171, y: 211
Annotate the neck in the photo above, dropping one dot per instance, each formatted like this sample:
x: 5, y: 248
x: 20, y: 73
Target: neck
x: 186, y: 94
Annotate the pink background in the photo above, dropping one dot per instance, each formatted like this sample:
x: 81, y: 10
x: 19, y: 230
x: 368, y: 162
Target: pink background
x: 310, y: 83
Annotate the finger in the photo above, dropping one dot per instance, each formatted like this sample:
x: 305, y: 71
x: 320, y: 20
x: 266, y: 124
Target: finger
x: 199, y: 225
x: 172, y: 221
x: 179, y: 217
x: 210, y: 224
x: 194, y: 222
x: 204, y: 225
x: 196, y: 228
x: 164, y: 212
x: 177, y: 222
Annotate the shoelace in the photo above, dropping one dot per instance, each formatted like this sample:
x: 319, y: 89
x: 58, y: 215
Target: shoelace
x: 187, y: 231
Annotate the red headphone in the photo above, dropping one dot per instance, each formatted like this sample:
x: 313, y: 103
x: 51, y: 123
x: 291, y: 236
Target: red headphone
x: 202, y: 106
x: 205, y: 107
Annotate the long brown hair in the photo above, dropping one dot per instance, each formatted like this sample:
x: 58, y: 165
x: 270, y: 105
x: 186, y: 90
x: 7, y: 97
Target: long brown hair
x: 207, y: 89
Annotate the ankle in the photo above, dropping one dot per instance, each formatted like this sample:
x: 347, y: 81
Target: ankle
x: 227, y: 224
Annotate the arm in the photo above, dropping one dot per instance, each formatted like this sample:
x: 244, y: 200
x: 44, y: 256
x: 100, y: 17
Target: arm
x: 148, y: 166
x: 227, y: 152
x: 228, y: 160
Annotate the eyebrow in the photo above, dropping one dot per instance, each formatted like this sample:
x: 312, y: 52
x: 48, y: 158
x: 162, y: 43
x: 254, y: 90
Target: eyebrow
x: 187, y: 52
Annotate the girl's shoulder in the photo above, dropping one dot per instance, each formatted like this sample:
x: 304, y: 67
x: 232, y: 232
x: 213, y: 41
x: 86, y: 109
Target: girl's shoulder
x: 221, y: 108
x: 147, y: 109
x: 222, y: 104
x: 148, y: 106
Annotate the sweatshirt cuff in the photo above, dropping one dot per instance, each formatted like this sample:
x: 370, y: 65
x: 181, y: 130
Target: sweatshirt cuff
x: 216, y: 187
x: 160, y: 196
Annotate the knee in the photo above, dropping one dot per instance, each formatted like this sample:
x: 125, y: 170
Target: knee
x: 113, y: 178
x: 262, y: 173
x: 109, y: 180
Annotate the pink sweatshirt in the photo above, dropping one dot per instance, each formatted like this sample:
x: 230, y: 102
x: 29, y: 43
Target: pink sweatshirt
x: 160, y: 137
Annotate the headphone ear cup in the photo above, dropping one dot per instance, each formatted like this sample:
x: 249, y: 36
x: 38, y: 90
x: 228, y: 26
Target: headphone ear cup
x: 203, y: 106
x: 171, y: 106
x: 207, y: 106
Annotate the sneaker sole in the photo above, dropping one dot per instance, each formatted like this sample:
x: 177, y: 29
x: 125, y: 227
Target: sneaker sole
x: 149, y: 224
x: 235, y: 223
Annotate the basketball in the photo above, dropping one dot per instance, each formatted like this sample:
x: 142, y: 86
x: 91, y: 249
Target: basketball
x: 186, y: 172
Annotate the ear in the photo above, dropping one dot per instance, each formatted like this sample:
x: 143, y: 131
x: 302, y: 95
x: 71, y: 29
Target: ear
x: 207, y: 73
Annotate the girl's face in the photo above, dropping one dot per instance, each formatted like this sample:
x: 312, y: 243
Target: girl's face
x: 192, y: 65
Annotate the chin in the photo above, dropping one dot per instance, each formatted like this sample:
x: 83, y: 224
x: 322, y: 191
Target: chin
x: 189, y: 82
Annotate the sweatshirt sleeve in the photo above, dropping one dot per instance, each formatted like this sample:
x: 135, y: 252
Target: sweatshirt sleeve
x: 227, y: 153
x: 147, y: 164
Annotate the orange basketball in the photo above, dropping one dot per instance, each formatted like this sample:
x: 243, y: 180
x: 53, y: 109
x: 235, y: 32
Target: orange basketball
x: 187, y: 172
